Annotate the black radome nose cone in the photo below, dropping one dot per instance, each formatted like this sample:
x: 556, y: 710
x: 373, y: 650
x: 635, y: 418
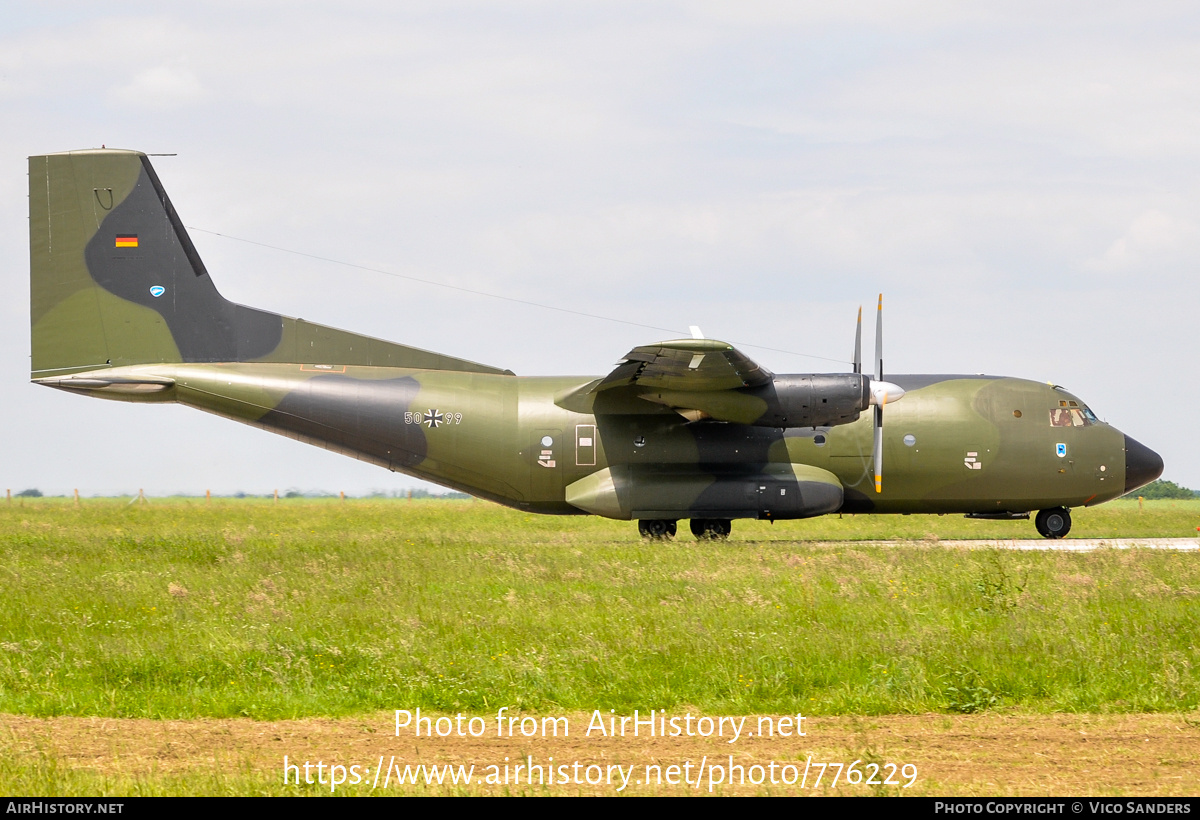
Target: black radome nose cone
x: 1142, y: 465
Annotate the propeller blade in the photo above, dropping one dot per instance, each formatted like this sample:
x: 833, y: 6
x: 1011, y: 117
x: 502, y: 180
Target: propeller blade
x: 858, y: 344
x: 879, y: 446
x: 881, y: 393
x: 879, y: 341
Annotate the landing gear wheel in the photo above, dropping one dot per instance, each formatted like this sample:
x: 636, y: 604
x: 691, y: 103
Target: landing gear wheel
x: 711, y: 529
x: 1053, y: 523
x: 660, y: 529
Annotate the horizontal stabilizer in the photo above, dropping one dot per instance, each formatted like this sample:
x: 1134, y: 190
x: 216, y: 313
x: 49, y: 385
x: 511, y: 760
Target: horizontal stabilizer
x: 121, y: 388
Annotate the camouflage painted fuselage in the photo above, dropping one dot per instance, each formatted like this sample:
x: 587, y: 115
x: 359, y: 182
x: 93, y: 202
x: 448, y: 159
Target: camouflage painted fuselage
x: 484, y: 434
x: 123, y: 308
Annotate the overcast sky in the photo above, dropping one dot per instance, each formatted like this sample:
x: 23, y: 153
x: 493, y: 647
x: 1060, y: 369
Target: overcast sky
x: 1019, y: 180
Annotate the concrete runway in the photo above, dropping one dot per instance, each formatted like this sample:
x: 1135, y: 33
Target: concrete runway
x: 1065, y: 544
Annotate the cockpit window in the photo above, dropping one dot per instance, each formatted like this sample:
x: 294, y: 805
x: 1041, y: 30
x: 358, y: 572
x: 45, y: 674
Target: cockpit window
x: 1072, y: 414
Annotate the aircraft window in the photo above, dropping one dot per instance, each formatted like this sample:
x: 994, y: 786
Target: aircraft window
x: 819, y: 440
x: 1017, y: 414
x: 1072, y: 417
x: 910, y: 440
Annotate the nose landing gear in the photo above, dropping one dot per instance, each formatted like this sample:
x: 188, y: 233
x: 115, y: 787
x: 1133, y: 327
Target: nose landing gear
x: 1053, y: 523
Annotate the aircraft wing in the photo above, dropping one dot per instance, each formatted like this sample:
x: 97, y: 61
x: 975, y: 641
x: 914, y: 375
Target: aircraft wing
x: 688, y: 365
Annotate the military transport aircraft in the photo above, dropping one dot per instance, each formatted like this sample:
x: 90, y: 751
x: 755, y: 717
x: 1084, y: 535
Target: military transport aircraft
x: 123, y: 308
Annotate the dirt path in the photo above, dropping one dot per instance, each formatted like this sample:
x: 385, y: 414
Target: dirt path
x: 1018, y: 755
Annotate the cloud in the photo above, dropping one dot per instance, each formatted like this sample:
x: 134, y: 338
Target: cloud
x: 756, y: 168
x: 163, y: 86
x: 1153, y: 236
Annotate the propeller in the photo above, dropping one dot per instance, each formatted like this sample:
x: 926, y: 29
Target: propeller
x: 858, y: 344
x: 882, y: 392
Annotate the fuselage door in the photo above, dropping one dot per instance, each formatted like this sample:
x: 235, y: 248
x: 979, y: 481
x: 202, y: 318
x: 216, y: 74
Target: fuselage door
x: 585, y: 445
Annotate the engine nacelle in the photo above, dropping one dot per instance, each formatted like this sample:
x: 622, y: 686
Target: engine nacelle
x: 806, y: 400
x: 813, y: 400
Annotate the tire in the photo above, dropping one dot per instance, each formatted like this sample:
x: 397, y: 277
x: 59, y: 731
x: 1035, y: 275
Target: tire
x: 711, y: 529
x: 1053, y: 523
x: 660, y: 529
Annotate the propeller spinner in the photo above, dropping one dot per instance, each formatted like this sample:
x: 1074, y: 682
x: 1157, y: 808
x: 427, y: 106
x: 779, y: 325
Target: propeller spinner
x: 882, y: 392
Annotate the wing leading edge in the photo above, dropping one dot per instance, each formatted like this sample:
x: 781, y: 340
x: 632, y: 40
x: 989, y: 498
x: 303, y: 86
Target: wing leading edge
x: 709, y: 379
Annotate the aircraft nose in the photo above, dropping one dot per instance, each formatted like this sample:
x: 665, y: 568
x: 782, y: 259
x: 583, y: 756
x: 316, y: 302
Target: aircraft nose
x: 1142, y: 465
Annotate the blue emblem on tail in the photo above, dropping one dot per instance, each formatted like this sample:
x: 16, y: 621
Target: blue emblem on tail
x: 157, y: 291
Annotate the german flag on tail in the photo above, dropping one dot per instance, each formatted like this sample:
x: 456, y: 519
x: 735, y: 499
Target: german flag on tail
x: 127, y: 240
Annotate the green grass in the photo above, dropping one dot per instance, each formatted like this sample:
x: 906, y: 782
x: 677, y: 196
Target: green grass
x: 178, y: 608
x: 47, y: 775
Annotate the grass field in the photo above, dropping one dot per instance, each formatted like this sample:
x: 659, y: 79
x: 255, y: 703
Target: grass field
x: 182, y: 609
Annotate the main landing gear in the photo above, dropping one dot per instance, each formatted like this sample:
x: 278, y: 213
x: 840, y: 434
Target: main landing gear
x: 659, y: 529
x: 1053, y: 523
x: 705, y: 529
x: 711, y: 529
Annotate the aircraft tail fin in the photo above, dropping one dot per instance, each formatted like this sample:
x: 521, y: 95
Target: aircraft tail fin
x: 115, y: 280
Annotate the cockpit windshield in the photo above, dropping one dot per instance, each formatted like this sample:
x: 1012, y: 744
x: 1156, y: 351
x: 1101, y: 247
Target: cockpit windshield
x: 1072, y: 414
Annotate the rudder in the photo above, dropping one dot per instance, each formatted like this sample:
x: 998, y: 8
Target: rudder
x: 114, y: 277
